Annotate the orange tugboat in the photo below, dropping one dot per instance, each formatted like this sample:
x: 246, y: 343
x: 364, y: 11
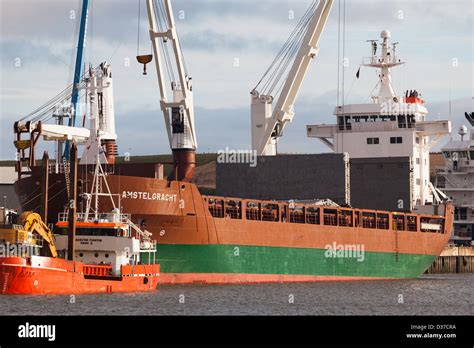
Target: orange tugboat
x: 107, y: 257
x: 24, y: 271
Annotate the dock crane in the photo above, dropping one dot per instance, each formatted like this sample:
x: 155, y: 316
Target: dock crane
x: 178, y: 110
x: 268, y: 124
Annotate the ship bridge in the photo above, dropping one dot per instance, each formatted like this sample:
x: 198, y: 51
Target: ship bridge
x: 390, y: 126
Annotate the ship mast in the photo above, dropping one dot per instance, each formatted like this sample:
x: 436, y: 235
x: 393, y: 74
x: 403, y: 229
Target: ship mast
x: 97, y: 136
x: 178, y: 111
x: 385, y: 62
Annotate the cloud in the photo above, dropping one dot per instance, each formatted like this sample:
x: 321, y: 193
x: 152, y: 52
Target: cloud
x: 216, y: 34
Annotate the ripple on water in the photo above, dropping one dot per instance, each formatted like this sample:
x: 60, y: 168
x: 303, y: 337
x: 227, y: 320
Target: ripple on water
x: 430, y: 295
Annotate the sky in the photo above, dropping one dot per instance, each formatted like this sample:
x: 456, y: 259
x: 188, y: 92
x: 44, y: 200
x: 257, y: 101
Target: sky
x: 38, y: 40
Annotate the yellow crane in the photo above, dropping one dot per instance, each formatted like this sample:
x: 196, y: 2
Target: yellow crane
x: 22, y: 233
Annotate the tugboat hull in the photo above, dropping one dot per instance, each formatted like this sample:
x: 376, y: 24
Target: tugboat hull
x: 37, y: 275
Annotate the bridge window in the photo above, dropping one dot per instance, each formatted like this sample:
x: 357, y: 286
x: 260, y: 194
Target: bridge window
x: 396, y: 140
x: 348, y: 123
x: 340, y: 122
x: 402, y: 122
x: 373, y: 141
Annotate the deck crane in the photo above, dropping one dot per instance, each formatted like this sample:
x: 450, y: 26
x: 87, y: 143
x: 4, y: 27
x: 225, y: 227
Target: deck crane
x: 268, y: 124
x: 178, y: 110
x: 98, y: 101
x: 81, y: 43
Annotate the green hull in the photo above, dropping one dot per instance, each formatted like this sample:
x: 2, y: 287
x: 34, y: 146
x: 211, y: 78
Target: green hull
x: 244, y: 259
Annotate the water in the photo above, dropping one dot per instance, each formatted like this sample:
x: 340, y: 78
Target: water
x: 446, y: 294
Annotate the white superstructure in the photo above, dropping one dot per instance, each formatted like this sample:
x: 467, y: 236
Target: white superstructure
x: 389, y: 126
x: 456, y: 179
x: 99, y: 87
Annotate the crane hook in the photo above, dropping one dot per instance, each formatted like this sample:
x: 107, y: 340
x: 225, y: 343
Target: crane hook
x: 144, y: 59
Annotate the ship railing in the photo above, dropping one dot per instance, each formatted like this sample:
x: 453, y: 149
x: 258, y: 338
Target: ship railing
x: 64, y: 168
x: 102, y: 217
x: 369, y: 60
x: 62, y: 217
x: 97, y: 270
x: 151, y: 248
x: 59, y: 168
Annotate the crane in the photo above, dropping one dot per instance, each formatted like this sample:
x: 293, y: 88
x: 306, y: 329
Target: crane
x: 81, y: 43
x: 268, y: 124
x: 33, y: 223
x: 178, y: 110
x: 97, y: 101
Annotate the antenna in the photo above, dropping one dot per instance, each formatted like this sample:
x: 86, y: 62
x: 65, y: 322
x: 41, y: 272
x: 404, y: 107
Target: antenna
x: 450, y: 110
x: 394, y: 49
x: 373, y: 43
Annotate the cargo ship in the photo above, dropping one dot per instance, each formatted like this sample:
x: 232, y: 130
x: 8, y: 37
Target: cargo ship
x: 228, y: 240
x: 208, y: 239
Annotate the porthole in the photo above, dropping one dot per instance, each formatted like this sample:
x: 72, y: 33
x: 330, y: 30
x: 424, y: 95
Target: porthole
x: 96, y: 254
x: 106, y: 255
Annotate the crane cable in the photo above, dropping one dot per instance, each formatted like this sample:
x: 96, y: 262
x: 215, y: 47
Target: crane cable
x: 290, y: 58
x: 286, y: 55
x: 284, y: 49
x: 138, y: 28
x: 44, y: 112
x: 162, y: 22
